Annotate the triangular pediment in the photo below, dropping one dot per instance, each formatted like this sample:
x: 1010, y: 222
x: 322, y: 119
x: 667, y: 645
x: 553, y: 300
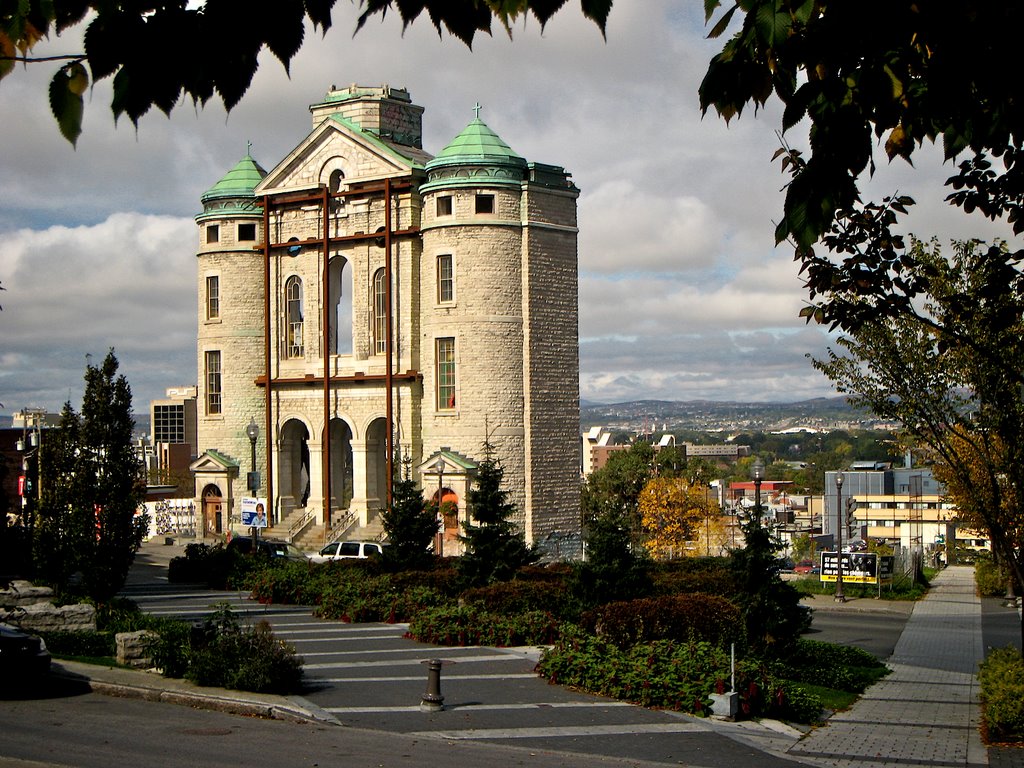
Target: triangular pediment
x: 337, y: 143
x: 213, y: 461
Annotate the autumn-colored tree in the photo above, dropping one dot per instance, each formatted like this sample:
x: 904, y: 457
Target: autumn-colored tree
x: 677, y: 519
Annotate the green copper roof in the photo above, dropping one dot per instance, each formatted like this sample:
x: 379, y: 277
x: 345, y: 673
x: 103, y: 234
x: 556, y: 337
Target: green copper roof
x: 477, y: 145
x: 240, y: 181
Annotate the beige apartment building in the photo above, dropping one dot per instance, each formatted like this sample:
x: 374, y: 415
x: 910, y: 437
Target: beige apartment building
x: 364, y: 303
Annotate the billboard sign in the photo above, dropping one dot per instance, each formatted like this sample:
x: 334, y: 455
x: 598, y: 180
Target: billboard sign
x: 858, y: 567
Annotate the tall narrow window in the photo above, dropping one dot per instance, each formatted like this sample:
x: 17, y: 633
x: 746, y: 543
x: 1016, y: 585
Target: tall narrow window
x: 445, y: 278
x: 445, y: 374
x: 380, y: 307
x: 212, y: 297
x: 293, y: 317
x: 213, y: 233
x: 214, y: 403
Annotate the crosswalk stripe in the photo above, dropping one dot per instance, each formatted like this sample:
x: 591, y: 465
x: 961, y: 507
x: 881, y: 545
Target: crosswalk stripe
x: 409, y: 662
x: 663, y: 727
x: 562, y: 731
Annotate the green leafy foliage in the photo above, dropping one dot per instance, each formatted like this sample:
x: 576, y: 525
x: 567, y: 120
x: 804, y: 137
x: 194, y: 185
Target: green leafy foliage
x: 140, y: 45
x: 472, y: 625
x: 990, y: 577
x: 227, y: 655
x: 1001, y: 676
x: 843, y: 667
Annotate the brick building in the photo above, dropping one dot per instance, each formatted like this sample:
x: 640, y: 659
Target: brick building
x: 363, y: 300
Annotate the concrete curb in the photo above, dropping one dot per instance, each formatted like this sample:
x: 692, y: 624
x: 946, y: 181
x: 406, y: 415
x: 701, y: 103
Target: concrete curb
x: 149, y: 686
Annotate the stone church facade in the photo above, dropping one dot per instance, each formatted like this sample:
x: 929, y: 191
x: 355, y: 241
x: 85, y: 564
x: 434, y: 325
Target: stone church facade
x: 372, y: 308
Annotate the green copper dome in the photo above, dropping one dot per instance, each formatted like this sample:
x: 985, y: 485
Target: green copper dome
x: 477, y: 145
x: 476, y: 157
x: 240, y: 181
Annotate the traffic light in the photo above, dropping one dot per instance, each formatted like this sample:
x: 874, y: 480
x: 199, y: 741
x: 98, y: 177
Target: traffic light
x: 851, y: 518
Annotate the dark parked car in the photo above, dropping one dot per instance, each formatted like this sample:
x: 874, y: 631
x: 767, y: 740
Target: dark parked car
x: 22, y: 656
x: 268, y: 547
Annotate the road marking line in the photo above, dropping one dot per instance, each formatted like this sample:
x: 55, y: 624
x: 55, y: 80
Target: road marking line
x: 419, y: 678
x: 664, y: 727
x: 562, y: 731
x: 410, y: 662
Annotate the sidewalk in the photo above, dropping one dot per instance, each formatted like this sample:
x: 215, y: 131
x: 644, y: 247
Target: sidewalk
x: 926, y: 711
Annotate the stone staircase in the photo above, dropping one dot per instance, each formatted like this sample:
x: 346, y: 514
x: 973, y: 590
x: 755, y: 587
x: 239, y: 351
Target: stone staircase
x: 313, y: 537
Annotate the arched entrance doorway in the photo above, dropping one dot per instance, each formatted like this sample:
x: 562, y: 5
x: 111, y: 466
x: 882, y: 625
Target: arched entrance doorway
x: 213, y: 511
x: 341, y: 464
x: 293, y: 472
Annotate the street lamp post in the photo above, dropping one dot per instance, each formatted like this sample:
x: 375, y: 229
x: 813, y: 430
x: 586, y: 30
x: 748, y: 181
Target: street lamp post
x: 253, y: 432
x: 840, y: 597
x: 439, y: 468
x: 758, y: 470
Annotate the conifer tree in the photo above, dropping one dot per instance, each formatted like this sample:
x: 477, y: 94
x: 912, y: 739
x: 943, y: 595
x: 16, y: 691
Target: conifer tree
x: 117, y: 489
x: 410, y: 523
x: 494, y: 547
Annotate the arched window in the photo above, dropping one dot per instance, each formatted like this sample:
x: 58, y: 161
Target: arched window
x: 380, y: 326
x: 293, y: 317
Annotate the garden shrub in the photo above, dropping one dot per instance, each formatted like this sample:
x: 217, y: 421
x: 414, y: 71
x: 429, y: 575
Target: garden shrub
x: 1001, y: 676
x: 79, y: 643
x: 210, y: 564
x: 672, y: 617
x: 510, y: 597
x: 375, y: 598
x: 228, y: 655
x: 707, y: 575
x: 471, y: 625
x: 665, y: 673
x: 990, y: 577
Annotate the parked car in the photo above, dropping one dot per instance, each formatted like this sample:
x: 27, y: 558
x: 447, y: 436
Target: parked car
x: 22, y: 656
x: 268, y: 547
x: 807, y: 567
x: 348, y: 550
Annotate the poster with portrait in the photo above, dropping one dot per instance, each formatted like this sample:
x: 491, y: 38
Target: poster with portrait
x: 254, y: 512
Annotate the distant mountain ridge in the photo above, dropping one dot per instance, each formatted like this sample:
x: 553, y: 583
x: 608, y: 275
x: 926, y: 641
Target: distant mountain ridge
x: 662, y: 415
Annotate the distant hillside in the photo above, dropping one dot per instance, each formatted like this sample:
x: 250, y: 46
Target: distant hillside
x: 710, y: 415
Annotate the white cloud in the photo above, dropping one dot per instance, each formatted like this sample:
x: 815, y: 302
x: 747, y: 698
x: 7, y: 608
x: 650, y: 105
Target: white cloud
x: 683, y: 293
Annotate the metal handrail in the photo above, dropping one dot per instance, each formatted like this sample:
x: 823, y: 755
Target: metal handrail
x: 301, y: 523
x: 341, y: 526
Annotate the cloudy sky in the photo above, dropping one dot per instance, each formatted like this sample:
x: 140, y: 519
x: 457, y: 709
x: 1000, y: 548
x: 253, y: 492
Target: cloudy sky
x: 682, y: 294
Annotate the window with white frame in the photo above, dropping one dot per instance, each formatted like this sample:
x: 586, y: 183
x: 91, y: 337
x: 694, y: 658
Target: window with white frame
x: 293, y: 317
x: 445, y: 278
x: 380, y: 308
x: 212, y: 297
x: 214, y: 394
x: 445, y: 374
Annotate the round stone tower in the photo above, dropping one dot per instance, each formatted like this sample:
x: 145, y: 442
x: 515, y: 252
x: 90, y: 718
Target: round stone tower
x: 230, y: 340
x: 500, y: 332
